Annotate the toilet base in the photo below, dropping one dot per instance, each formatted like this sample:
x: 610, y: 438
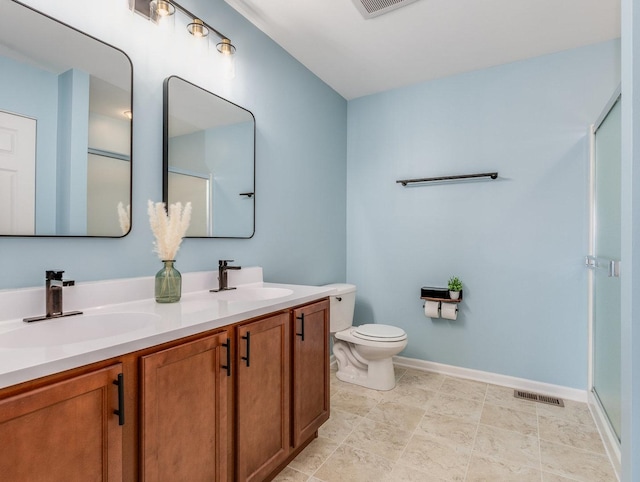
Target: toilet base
x: 377, y: 374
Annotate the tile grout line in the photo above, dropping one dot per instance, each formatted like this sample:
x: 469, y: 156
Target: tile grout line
x: 539, y: 440
x: 395, y: 463
x: 344, y: 442
x: 334, y: 450
x: 475, y: 435
x: 413, y: 432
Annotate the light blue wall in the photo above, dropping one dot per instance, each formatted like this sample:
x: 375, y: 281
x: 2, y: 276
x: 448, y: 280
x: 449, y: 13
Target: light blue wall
x: 301, y: 155
x: 517, y: 243
x: 73, y: 143
x: 188, y: 152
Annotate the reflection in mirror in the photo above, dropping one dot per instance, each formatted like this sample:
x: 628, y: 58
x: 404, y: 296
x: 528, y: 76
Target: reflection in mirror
x: 65, y: 140
x: 209, y: 160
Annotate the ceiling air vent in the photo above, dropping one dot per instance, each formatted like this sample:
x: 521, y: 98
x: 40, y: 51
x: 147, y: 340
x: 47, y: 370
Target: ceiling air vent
x: 374, y: 8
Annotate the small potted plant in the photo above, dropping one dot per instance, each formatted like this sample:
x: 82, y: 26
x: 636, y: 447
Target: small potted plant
x: 455, y: 286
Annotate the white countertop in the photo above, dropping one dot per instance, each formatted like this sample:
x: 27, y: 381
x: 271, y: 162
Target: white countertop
x: 33, y: 350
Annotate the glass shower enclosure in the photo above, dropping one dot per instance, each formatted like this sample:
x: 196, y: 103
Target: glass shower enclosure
x: 604, y: 263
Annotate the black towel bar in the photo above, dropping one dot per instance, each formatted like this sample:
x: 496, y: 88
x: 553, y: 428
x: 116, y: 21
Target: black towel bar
x: 492, y: 175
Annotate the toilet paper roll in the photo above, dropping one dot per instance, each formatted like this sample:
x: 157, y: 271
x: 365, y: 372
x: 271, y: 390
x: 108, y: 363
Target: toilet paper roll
x: 449, y: 311
x: 432, y: 309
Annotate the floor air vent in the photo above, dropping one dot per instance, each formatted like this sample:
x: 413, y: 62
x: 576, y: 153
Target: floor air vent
x: 373, y: 8
x: 535, y: 397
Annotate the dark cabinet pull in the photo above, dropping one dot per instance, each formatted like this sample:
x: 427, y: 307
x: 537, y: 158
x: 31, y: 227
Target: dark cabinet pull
x: 227, y: 367
x: 120, y: 412
x: 301, y: 334
x: 248, y: 338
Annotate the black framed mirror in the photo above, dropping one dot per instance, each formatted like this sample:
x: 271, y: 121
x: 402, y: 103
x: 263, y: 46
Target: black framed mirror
x: 65, y: 129
x: 209, y: 160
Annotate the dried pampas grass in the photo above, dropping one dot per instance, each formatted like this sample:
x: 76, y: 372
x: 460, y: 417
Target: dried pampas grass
x: 168, y: 228
x: 124, y: 216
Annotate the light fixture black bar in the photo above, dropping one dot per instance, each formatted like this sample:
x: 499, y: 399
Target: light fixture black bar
x: 189, y: 14
x: 492, y: 175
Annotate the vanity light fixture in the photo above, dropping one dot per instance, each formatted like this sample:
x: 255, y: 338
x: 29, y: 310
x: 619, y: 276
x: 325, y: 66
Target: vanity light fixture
x: 225, y: 47
x: 162, y: 9
x: 197, y: 28
x: 159, y: 9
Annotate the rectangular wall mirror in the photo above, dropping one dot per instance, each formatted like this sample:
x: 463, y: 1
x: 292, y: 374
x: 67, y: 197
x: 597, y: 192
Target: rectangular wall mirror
x: 65, y: 129
x: 209, y: 160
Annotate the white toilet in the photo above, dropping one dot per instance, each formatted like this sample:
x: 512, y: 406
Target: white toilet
x: 363, y: 352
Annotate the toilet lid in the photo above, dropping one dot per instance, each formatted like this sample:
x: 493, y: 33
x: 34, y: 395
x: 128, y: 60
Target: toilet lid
x: 379, y: 332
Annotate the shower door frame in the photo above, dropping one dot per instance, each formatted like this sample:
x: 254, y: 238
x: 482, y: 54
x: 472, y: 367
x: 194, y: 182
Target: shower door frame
x: 609, y: 437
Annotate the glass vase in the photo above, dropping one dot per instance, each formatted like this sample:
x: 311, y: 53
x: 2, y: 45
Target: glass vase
x: 168, y: 283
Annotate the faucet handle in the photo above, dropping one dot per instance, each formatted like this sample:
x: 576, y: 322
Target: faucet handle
x: 54, y: 275
x: 223, y: 262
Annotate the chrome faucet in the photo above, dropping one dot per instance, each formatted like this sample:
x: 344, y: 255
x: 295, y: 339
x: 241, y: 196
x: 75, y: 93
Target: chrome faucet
x: 53, y: 297
x: 222, y: 275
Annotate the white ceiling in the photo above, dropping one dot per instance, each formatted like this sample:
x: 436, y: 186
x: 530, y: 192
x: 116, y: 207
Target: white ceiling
x: 427, y: 39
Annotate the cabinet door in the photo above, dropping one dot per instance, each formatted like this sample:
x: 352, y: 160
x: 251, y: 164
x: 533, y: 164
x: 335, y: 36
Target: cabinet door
x: 310, y: 370
x: 184, y: 412
x: 65, y: 431
x: 262, y: 397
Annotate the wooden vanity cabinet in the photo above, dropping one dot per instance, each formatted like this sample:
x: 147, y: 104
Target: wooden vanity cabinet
x: 64, y: 431
x: 190, y: 414
x: 262, y: 396
x: 184, y: 410
x: 278, y: 385
x: 282, y: 388
x: 310, y: 407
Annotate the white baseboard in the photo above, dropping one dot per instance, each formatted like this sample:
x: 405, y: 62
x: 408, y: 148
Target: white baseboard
x: 607, y: 434
x: 487, y: 377
x: 493, y: 378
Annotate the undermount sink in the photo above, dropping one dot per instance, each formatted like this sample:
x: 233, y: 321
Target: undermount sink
x: 252, y: 294
x: 76, y: 329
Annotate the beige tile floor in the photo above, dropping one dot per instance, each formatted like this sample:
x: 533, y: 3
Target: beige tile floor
x: 433, y: 427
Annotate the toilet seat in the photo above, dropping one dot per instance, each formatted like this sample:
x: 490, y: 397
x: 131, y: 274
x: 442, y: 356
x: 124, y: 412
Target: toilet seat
x: 378, y: 332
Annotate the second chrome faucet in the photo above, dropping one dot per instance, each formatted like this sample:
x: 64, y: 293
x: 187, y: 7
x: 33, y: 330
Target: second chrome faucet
x: 223, y: 282
x: 53, y: 297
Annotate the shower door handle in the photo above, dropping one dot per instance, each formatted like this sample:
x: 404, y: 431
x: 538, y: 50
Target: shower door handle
x: 614, y: 268
x: 611, y: 265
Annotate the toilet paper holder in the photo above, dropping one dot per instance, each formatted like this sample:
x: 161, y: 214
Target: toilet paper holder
x: 441, y: 297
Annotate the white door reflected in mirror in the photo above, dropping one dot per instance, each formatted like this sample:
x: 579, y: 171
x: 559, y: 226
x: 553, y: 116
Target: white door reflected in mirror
x: 17, y: 174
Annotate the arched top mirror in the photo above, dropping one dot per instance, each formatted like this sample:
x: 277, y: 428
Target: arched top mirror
x: 65, y: 129
x: 209, y: 160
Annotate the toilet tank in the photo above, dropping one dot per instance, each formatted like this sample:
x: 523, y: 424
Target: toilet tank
x: 343, y: 302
